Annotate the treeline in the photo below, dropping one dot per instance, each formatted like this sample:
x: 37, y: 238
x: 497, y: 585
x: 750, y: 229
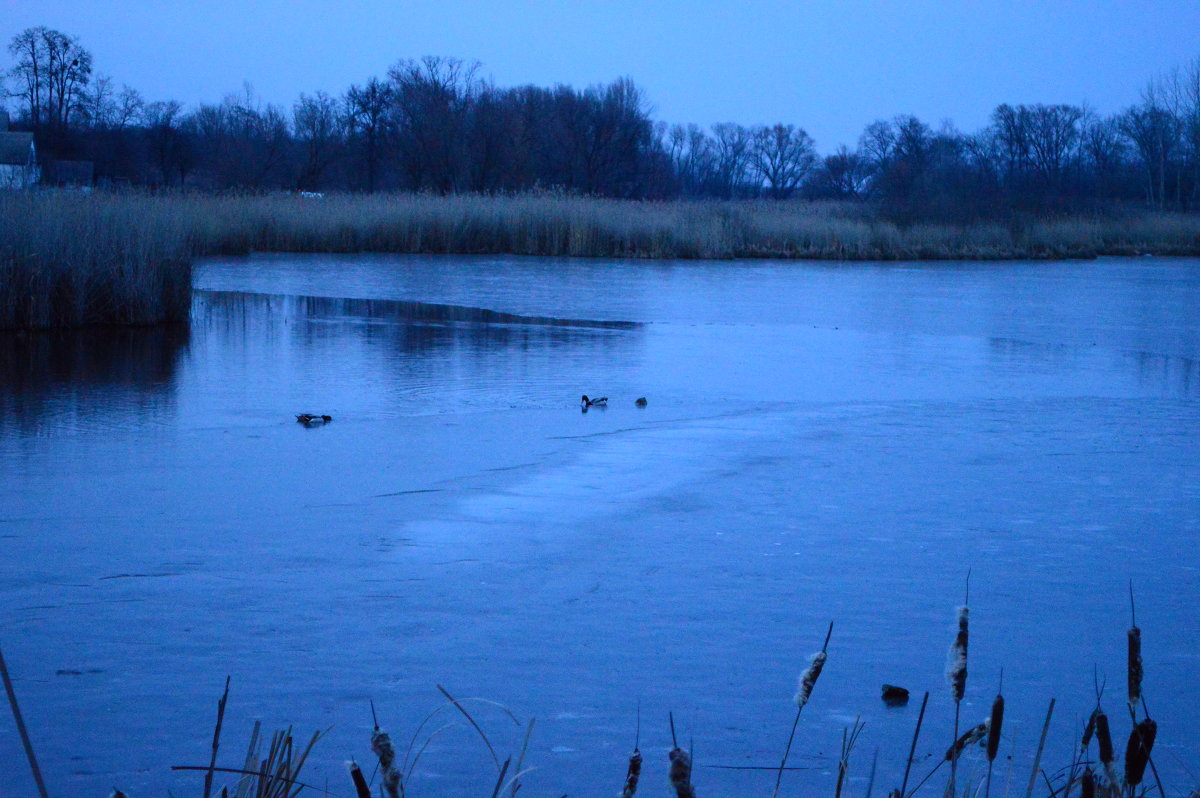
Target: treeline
x: 434, y: 125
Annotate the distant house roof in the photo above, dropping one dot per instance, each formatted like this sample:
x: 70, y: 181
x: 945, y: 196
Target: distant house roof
x: 14, y: 148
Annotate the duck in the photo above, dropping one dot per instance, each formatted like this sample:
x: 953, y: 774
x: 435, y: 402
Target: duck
x: 601, y: 401
x: 312, y: 419
x: 641, y: 401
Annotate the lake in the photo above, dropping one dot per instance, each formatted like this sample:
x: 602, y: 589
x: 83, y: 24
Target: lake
x: 821, y: 442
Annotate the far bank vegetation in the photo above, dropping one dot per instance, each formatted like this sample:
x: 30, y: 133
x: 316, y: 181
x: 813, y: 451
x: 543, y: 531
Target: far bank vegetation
x: 430, y: 158
x: 68, y: 259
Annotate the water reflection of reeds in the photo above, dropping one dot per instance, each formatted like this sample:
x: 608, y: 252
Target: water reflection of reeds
x: 87, y: 377
x: 412, y: 327
x: 394, y: 356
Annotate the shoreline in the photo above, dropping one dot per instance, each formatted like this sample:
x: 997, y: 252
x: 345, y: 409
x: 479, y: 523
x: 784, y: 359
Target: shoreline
x: 71, y: 259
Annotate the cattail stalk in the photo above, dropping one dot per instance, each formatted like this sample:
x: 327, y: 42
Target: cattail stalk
x: 913, y: 749
x: 808, y: 680
x: 849, y: 738
x: 208, y: 777
x: 1037, y: 758
x: 24, y: 734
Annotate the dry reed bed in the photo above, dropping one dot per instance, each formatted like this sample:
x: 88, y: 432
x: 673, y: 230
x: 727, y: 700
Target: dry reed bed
x: 588, y: 227
x: 68, y: 259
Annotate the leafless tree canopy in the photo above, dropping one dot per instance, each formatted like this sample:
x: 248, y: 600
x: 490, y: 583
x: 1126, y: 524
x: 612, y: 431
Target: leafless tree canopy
x: 434, y: 124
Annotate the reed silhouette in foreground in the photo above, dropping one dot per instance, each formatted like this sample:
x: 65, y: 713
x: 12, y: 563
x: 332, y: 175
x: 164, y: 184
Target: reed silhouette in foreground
x: 276, y: 773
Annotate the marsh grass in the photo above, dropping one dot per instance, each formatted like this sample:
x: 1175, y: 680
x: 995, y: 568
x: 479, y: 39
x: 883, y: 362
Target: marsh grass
x: 68, y: 259
x: 547, y: 224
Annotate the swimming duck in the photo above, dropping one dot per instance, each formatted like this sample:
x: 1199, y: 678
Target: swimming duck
x: 312, y: 419
x: 641, y: 402
x: 601, y: 401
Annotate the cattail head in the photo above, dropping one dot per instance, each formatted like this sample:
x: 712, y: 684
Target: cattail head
x: 381, y: 744
x: 361, y: 789
x: 1088, y: 784
x: 1135, y: 667
x: 1104, y: 739
x: 633, y: 774
x: 997, y: 721
x: 809, y: 678
x: 1137, y: 751
x: 956, y: 662
x: 1088, y: 731
x: 681, y: 773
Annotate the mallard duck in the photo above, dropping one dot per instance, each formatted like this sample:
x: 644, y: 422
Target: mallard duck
x: 598, y: 402
x: 641, y: 401
x: 312, y: 419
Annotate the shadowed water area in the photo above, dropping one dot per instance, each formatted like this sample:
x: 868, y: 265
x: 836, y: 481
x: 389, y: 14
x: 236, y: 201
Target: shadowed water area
x: 821, y: 442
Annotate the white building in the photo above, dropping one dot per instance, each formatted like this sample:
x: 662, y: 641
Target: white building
x: 18, y: 158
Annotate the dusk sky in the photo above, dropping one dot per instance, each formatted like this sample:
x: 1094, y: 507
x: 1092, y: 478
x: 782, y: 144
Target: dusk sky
x: 830, y: 67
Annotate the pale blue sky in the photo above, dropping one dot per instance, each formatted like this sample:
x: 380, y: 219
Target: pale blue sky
x: 828, y: 66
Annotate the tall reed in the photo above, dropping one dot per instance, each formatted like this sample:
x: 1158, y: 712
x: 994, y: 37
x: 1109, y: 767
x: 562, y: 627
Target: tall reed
x: 808, y: 680
x: 956, y: 675
x: 996, y: 723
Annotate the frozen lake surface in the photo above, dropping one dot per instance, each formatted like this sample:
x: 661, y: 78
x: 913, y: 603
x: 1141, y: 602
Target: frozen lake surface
x: 822, y: 443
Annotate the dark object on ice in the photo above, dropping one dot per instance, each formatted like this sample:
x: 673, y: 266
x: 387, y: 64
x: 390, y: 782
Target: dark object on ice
x: 641, y: 402
x: 894, y: 696
x: 599, y: 402
x: 312, y: 419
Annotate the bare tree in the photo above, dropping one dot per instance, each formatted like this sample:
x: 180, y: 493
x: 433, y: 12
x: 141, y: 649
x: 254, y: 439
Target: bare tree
x: 842, y: 175
x: 368, y: 116
x: 1054, y: 137
x: 52, y: 71
x: 432, y: 102
x: 243, y: 143
x: 731, y: 146
x: 129, y: 107
x: 782, y: 156
x: 1154, y: 132
x: 692, y: 158
x: 1104, y: 151
x: 167, y: 143
x: 319, y: 126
